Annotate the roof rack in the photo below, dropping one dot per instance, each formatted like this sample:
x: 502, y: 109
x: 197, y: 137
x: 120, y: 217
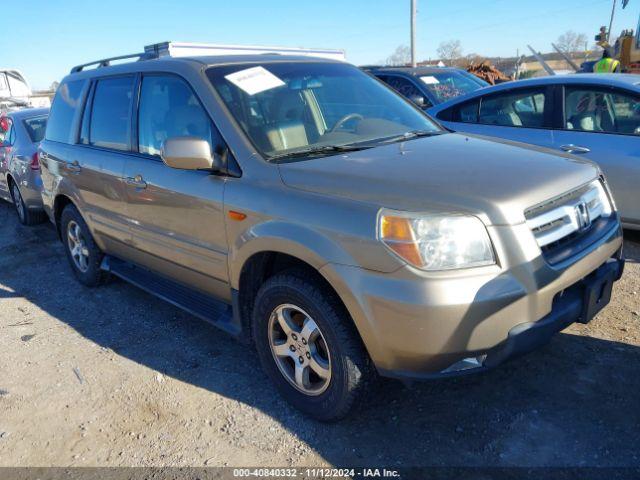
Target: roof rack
x: 181, y: 49
x: 106, y: 62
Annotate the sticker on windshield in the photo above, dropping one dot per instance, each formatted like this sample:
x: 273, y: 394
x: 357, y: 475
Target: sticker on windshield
x: 254, y: 80
x: 429, y: 80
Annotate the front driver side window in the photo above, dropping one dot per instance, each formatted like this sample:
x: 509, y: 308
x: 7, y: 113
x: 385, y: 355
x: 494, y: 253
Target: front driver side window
x: 592, y: 110
x: 169, y: 108
x: 404, y: 87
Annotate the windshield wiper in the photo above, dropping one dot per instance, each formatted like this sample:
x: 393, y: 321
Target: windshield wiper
x: 320, y: 150
x: 410, y: 135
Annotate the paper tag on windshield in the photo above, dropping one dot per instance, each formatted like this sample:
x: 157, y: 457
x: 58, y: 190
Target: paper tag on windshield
x: 429, y: 80
x: 254, y: 80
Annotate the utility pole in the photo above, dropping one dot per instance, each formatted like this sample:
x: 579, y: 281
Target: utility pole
x: 413, y: 32
x: 613, y: 13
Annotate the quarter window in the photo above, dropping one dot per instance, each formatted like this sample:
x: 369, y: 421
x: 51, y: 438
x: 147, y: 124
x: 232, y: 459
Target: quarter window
x: 111, y: 113
x: 63, y: 111
x: 591, y: 110
x: 519, y: 109
x: 169, y: 108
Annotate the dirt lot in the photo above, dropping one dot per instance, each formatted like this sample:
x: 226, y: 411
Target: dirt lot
x: 113, y: 376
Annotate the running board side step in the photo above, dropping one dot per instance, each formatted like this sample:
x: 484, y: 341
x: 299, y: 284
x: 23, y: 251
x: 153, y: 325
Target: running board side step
x: 199, y: 304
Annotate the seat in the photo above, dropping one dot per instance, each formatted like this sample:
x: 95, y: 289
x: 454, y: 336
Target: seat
x: 584, y: 113
x: 287, y: 129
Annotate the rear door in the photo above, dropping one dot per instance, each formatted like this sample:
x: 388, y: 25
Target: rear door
x: 603, y: 125
x: 518, y: 114
x: 96, y: 165
x: 176, y: 216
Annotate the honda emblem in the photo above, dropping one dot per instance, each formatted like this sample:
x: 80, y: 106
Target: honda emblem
x: 582, y: 216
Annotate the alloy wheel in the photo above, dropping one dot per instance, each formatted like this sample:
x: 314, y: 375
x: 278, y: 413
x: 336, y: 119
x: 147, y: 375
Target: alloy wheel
x: 299, y: 349
x: 77, y: 246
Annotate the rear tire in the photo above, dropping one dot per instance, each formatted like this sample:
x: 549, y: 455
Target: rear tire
x: 82, y: 252
x: 26, y: 216
x: 321, y: 342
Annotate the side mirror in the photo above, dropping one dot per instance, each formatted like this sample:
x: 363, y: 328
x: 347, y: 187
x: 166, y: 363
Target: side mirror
x: 418, y: 100
x: 189, y: 153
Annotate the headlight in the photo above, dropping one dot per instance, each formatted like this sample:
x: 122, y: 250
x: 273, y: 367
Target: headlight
x: 605, y: 196
x: 436, y: 242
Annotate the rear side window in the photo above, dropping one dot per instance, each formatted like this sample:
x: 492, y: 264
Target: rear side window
x: 35, y: 128
x: 169, y: 108
x: 110, y: 125
x: 64, y: 106
x: 604, y: 111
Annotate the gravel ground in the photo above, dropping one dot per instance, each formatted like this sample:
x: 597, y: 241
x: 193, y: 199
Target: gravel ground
x: 112, y: 376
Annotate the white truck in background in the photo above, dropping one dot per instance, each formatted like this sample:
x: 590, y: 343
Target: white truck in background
x: 15, y: 92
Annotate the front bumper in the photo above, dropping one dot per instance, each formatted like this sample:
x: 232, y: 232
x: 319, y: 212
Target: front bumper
x: 579, y: 303
x: 417, y: 325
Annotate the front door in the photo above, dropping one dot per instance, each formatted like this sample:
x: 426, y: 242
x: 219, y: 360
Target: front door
x: 176, y: 216
x: 603, y: 125
x: 522, y: 115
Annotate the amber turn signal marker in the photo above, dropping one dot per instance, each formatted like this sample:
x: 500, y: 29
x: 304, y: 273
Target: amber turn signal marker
x: 396, y: 228
x: 397, y: 234
x: 239, y: 216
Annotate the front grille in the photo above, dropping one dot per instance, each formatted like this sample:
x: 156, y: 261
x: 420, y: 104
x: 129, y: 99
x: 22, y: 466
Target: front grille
x: 561, y: 225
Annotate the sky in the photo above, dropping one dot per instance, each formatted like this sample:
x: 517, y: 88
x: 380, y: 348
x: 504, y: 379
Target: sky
x: 45, y: 38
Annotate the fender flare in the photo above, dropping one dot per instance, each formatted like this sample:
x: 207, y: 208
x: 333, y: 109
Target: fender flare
x: 69, y: 194
x: 306, y: 244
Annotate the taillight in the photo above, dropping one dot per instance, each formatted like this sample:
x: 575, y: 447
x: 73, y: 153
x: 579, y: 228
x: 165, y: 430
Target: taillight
x: 35, y: 162
x: 4, y: 124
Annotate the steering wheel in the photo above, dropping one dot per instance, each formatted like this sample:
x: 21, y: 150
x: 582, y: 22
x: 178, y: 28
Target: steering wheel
x: 345, y: 119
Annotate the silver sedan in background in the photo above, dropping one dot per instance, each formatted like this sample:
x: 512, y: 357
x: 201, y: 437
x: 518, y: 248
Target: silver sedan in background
x: 20, y: 133
x: 596, y: 116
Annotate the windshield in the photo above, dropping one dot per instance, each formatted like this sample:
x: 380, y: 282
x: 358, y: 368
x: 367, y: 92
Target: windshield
x: 447, y: 85
x: 292, y: 107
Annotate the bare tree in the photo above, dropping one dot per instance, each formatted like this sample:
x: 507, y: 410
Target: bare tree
x: 572, y: 42
x: 470, y: 59
x: 449, y: 52
x: 401, y: 56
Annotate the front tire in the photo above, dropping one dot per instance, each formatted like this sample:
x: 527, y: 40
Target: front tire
x: 82, y: 252
x: 309, y: 348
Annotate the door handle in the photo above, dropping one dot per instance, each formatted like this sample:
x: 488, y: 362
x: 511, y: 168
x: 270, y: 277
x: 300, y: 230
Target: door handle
x: 136, y: 181
x: 74, y: 167
x: 571, y: 148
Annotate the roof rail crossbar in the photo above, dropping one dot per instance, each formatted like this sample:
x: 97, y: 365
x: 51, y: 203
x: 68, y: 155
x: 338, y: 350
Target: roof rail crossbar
x: 105, y: 62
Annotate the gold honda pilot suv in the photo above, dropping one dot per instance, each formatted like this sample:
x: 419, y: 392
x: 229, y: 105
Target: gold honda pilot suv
x: 302, y: 206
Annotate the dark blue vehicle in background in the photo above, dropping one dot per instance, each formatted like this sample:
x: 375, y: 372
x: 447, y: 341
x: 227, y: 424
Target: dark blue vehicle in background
x: 428, y: 86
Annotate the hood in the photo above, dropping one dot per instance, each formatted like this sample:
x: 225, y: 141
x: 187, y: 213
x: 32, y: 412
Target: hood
x: 495, y: 180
